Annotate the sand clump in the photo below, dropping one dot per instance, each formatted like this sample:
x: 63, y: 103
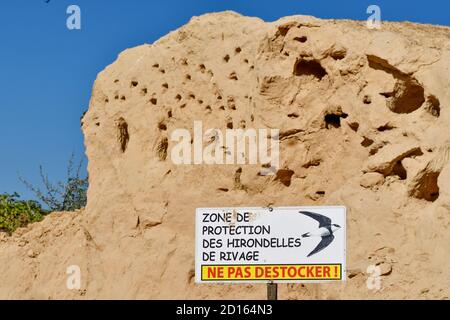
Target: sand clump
x: 364, y: 117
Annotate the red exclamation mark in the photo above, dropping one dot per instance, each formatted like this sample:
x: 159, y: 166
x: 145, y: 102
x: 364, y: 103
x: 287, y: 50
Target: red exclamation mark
x: 336, y: 271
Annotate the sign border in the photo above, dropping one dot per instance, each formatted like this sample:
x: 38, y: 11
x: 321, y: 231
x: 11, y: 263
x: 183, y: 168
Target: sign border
x: 196, y: 250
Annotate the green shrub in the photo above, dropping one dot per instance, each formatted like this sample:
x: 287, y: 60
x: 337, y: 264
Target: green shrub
x: 15, y: 213
x: 68, y: 195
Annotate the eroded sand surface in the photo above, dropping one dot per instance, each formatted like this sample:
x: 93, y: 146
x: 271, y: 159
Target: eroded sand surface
x: 364, y: 118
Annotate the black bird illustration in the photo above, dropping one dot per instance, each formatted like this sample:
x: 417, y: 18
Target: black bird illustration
x: 325, y: 230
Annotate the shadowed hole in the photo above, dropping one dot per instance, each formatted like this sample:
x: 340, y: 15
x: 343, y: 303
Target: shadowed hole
x: 399, y: 170
x: 385, y: 127
x: 367, y: 142
x: 162, y: 126
x: 309, y: 68
x: 354, y: 126
x: 301, y: 39
x: 284, y: 176
x: 334, y: 120
x: 433, y: 106
x: 122, y: 134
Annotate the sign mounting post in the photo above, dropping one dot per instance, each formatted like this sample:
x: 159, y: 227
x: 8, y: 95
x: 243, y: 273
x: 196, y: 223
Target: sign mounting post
x: 272, y: 289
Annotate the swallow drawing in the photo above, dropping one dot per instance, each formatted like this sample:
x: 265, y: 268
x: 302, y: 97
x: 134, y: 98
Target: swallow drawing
x: 325, y: 231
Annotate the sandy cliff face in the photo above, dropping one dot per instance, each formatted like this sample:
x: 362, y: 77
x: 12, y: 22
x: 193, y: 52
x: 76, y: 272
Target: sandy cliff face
x: 364, y: 122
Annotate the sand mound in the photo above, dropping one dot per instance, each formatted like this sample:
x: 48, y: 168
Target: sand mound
x: 363, y: 118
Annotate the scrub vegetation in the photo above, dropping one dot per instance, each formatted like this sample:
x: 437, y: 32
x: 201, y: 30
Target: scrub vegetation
x: 67, y: 195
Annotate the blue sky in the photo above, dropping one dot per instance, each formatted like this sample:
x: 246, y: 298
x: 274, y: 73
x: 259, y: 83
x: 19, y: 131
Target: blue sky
x: 47, y: 71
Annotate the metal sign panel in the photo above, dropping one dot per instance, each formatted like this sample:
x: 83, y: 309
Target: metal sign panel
x: 280, y: 244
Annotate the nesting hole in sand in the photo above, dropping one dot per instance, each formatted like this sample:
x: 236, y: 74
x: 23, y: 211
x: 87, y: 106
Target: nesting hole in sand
x: 178, y: 97
x: 232, y: 106
x: 237, y: 180
x: 283, y: 29
x: 407, y: 97
x: 233, y: 76
x: 162, y: 126
x: 284, y: 176
x: 301, y: 39
x: 143, y: 91
x: 367, y: 99
x: 354, y: 126
x: 386, y: 127
x: 339, y: 54
x: 153, y: 101
x: 309, y: 68
x: 165, y: 85
x: 433, y: 106
x: 375, y: 149
x: 400, y: 171
x: 226, y: 58
x: 156, y: 65
x: 333, y: 120
x: 367, y: 142
x: 293, y: 115
x: 238, y: 50
x: 122, y: 134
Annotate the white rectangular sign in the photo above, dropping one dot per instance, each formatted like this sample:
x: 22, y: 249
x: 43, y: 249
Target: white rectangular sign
x: 281, y: 244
